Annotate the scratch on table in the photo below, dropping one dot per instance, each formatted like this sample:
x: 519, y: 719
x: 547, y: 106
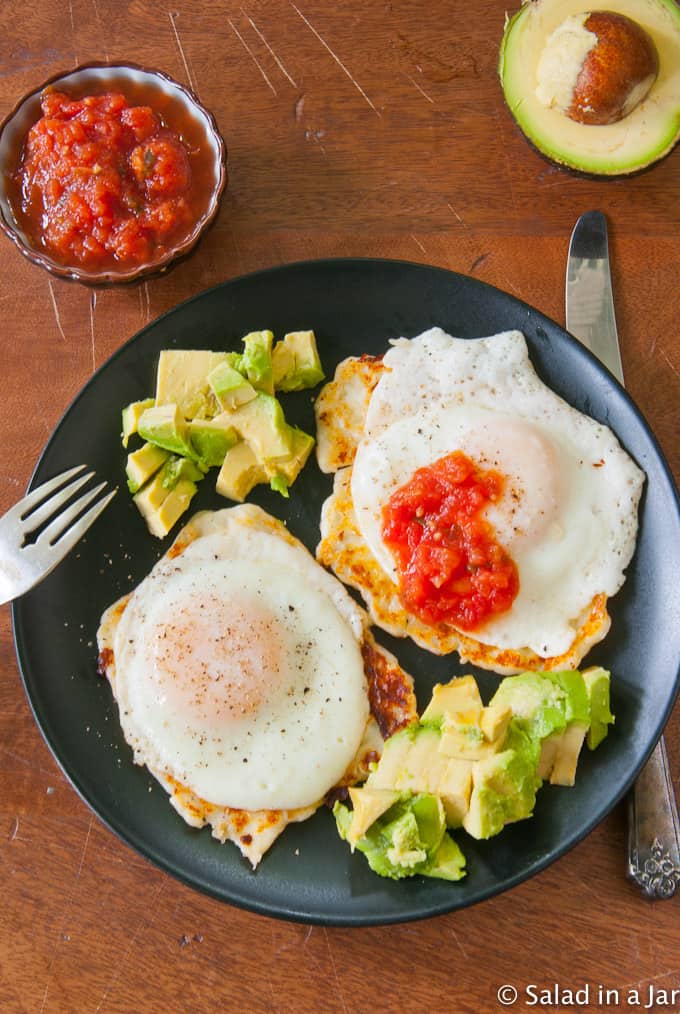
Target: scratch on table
x: 73, y: 31
x: 421, y: 90
x: 459, y: 943
x: 143, y: 924
x: 250, y: 53
x: 14, y: 830
x: 454, y: 212
x: 336, y: 58
x: 335, y: 970
x: 93, y: 307
x: 56, y: 309
x: 477, y: 261
x: 279, y: 64
x: 418, y: 243
x: 181, y: 52
x: 670, y: 362
x: 101, y: 26
x: 299, y: 106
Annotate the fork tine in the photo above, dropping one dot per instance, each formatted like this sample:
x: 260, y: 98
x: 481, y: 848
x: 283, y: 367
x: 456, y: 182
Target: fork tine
x: 17, y: 512
x: 50, y: 507
x: 68, y: 540
x: 62, y: 521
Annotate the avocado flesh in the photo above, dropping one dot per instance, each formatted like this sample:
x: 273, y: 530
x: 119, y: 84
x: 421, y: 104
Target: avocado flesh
x: 639, y: 139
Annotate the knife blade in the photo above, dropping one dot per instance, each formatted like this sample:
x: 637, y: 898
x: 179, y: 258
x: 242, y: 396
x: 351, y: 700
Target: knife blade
x: 589, y: 301
x: 653, y: 822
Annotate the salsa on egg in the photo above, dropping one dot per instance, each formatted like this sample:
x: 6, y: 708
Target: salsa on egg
x: 451, y: 567
x: 103, y: 182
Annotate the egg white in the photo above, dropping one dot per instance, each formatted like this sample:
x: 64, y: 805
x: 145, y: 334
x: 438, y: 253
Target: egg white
x: 568, y: 515
x: 238, y: 667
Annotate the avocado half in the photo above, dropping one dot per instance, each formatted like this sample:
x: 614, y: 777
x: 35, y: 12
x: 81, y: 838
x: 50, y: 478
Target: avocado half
x: 641, y: 138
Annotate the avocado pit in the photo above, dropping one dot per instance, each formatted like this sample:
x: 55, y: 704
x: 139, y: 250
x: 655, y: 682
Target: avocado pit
x: 596, y: 67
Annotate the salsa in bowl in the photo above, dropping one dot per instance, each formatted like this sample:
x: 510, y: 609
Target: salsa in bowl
x: 109, y: 172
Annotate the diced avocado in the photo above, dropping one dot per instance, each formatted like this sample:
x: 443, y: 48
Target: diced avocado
x: 597, y: 688
x: 459, y: 694
x: 231, y: 389
x: 142, y: 464
x: 447, y: 863
x: 462, y: 736
x: 455, y: 789
x: 410, y: 761
x: 256, y: 360
x: 569, y: 743
x: 279, y: 484
x: 367, y: 806
x: 212, y: 438
x: 295, y: 361
x: 494, y: 722
x: 165, y: 426
x: 240, y: 471
x: 408, y: 839
x: 177, y: 468
x: 161, y: 507
x: 131, y: 415
x: 284, y: 471
x: 182, y: 380
x: 539, y: 702
x: 503, y: 786
x: 262, y: 424
x: 474, y: 734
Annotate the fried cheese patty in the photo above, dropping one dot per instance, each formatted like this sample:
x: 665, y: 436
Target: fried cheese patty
x: 239, y: 669
x: 568, y: 518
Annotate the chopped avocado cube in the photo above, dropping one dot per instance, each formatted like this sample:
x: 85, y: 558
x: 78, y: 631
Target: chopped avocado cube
x: 177, y: 468
x: 295, y: 362
x: 290, y: 466
x: 407, y: 839
x: 211, y: 439
x: 240, y: 471
x: 256, y: 360
x: 231, y: 389
x: 143, y: 463
x: 161, y: 507
x: 462, y: 736
x: 568, y: 749
x: 503, y: 786
x: 455, y: 789
x: 410, y: 761
x: 165, y: 426
x: 597, y: 688
x: 130, y: 417
x: 368, y: 805
x: 538, y: 702
x: 182, y: 380
x: 447, y: 863
x: 262, y: 424
x: 279, y: 484
x: 459, y: 694
x: 494, y: 722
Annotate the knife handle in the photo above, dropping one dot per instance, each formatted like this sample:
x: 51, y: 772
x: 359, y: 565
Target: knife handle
x: 654, y: 829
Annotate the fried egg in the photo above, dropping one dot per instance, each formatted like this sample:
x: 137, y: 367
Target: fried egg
x: 567, y: 516
x: 239, y: 669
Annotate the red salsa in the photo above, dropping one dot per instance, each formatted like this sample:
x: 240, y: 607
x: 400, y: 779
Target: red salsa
x: 103, y: 182
x: 451, y: 568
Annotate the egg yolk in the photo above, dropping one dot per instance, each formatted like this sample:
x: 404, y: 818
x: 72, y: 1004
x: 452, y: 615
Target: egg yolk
x: 450, y: 566
x: 217, y: 661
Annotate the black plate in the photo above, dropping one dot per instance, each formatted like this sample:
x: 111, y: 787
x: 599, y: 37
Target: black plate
x: 354, y: 306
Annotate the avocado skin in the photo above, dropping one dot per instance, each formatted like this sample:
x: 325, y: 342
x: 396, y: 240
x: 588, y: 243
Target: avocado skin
x: 579, y: 162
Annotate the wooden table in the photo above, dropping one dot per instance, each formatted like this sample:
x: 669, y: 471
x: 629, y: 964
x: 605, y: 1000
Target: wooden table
x: 353, y: 129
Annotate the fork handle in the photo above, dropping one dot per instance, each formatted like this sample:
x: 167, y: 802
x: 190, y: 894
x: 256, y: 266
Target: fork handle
x: 654, y: 829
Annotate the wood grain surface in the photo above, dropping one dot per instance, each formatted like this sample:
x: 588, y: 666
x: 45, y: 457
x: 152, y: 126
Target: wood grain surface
x: 353, y: 129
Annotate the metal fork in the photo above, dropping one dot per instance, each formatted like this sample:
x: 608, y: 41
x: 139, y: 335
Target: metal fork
x: 25, y: 562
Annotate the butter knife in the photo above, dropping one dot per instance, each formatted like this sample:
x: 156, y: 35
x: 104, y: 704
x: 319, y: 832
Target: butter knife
x: 653, y: 823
